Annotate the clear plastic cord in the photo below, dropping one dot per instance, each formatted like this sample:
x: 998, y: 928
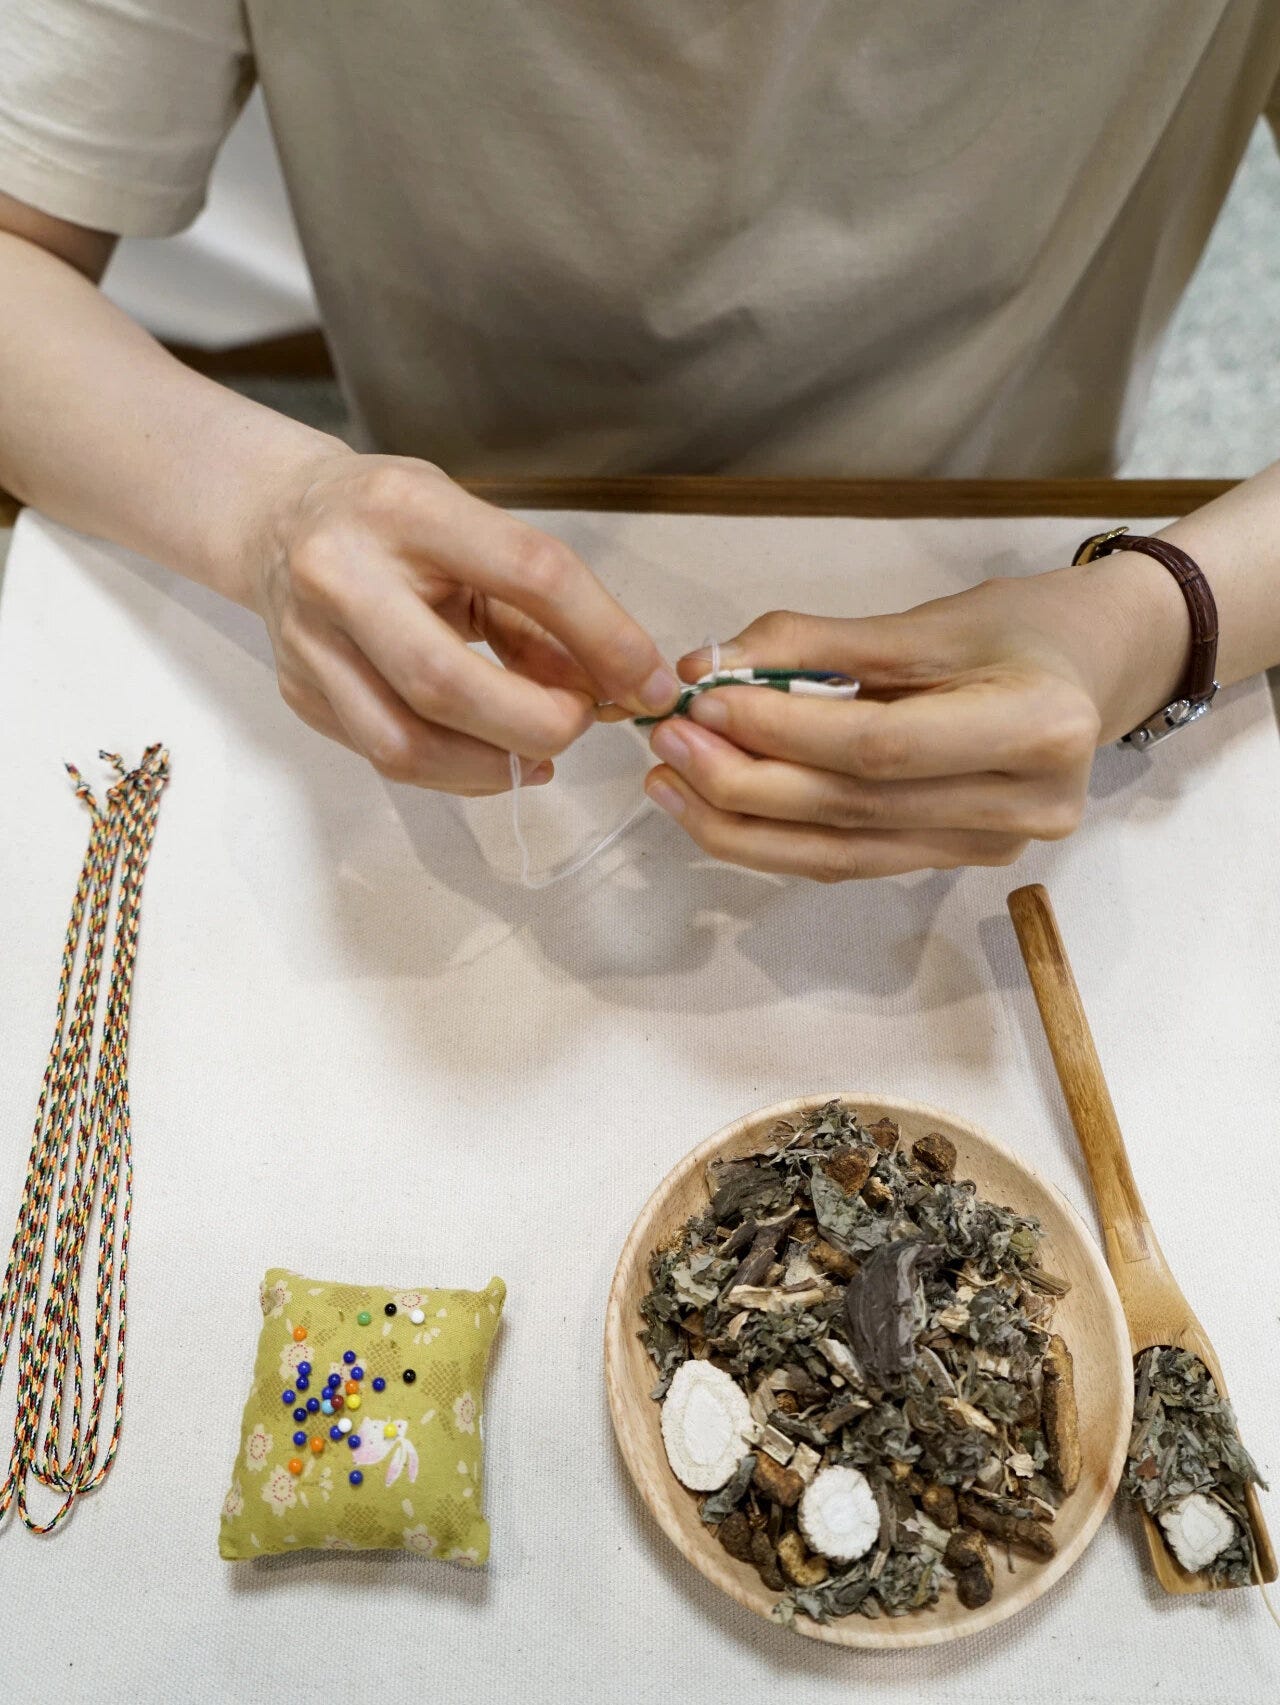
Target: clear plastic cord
x: 574, y: 865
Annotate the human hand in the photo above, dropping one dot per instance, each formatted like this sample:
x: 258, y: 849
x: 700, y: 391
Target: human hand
x: 373, y: 572
x: 975, y: 733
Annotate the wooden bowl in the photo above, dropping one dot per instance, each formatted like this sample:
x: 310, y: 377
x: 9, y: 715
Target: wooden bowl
x: 1089, y: 1317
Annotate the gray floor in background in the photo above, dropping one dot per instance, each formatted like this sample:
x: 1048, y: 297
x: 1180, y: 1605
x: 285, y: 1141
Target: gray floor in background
x: 1214, y: 407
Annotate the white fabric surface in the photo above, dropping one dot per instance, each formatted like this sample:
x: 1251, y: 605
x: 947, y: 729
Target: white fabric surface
x: 361, y: 1051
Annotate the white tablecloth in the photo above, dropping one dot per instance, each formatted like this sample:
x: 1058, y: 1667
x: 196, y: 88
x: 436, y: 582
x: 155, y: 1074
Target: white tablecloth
x: 362, y: 1051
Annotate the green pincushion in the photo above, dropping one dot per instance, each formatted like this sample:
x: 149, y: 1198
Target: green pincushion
x: 419, y: 1461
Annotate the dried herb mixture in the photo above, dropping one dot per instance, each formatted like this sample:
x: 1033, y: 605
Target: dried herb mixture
x: 1187, y: 1466
x: 891, y: 1332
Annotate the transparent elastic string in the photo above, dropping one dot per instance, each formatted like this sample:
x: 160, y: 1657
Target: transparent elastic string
x: 574, y: 865
x: 583, y: 859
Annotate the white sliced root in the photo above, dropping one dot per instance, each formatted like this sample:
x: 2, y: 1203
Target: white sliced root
x: 704, y: 1419
x: 1198, y: 1530
x: 839, y: 1515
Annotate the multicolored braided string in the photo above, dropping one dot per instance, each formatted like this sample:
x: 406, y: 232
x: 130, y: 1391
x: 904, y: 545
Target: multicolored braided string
x: 79, y: 1182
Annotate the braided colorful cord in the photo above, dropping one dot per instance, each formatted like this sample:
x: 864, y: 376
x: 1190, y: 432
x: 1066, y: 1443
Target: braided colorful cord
x: 79, y: 1175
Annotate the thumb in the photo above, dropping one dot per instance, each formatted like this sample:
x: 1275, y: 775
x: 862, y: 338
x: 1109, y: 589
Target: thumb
x: 885, y: 653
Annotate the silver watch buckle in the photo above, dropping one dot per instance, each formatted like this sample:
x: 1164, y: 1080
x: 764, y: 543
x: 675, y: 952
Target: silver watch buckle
x: 1171, y: 720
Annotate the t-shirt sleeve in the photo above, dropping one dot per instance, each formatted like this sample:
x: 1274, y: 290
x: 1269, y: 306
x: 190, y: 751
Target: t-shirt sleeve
x: 111, y: 111
x: 1273, y: 112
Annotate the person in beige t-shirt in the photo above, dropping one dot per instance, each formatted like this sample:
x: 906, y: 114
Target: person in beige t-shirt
x: 806, y: 237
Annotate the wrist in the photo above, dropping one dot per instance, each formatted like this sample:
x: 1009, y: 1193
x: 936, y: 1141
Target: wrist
x: 1133, y: 636
x: 257, y: 530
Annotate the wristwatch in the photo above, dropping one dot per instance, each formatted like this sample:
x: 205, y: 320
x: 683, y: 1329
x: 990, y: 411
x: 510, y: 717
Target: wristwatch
x: 1199, y: 685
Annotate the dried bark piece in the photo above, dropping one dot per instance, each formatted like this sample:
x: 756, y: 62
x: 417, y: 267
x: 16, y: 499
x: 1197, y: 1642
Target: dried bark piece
x: 777, y: 1445
x: 850, y: 1167
x: 939, y: 1504
x: 765, y: 1559
x: 884, y: 1134
x: 826, y: 1255
x: 934, y: 1155
x: 759, y: 1258
x: 776, y: 1482
x: 805, y: 1462
x: 962, y: 1414
x: 842, y: 1414
x: 879, y: 1306
x: 1032, y: 1536
x: 1058, y: 1417
x: 969, y: 1559
x: 797, y: 1564
x: 877, y: 1194
x: 735, y: 1535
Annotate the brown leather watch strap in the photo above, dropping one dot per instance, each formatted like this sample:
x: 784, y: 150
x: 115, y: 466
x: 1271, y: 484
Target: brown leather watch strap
x: 1198, y: 683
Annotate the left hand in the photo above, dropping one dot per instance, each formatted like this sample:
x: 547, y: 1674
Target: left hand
x: 976, y: 732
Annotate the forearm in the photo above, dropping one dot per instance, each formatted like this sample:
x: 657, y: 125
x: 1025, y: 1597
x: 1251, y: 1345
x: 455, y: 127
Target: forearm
x: 1125, y: 617
x: 103, y: 429
x: 1236, y: 541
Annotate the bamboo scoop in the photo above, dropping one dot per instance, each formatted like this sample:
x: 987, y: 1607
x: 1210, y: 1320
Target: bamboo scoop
x: 1155, y: 1308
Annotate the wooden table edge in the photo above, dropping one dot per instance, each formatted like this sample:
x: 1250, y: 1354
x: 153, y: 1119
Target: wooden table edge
x: 897, y: 499
x: 713, y: 494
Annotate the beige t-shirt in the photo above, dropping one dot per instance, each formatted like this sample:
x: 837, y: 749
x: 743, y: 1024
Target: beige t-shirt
x: 787, y: 236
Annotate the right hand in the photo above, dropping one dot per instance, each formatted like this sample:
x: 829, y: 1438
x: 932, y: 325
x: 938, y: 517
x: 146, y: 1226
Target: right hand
x: 372, y: 575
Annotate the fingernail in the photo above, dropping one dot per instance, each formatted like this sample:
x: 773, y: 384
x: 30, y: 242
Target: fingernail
x: 670, y: 744
x: 538, y: 776
x: 709, y: 710
x: 729, y: 655
x: 661, y: 793
x: 660, y: 691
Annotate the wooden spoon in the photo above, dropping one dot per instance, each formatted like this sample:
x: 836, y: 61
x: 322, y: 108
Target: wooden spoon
x: 1155, y: 1308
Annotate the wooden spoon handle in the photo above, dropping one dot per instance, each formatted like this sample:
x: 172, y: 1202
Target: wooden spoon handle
x: 1124, y: 1219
